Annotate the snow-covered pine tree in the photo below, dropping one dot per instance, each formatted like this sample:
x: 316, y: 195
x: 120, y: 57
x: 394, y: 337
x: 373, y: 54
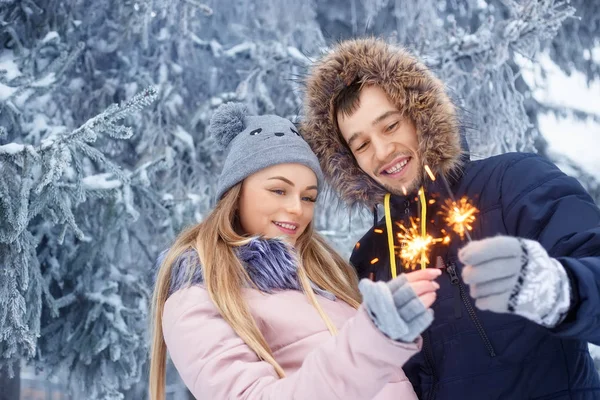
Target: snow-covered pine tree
x: 56, y: 178
x: 52, y: 263
x: 199, y: 54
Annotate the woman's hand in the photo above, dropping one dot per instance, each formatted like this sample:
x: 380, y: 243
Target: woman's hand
x: 401, y: 308
x: 424, y: 284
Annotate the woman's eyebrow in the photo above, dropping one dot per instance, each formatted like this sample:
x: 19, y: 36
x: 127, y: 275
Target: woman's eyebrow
x: 286, y: 180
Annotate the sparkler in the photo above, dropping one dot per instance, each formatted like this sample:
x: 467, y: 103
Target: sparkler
x: 414, y: 245
x: 415, y: 242
x: 460, y: 216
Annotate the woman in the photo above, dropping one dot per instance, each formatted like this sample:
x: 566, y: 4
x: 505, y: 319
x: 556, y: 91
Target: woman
x: 253, y: 304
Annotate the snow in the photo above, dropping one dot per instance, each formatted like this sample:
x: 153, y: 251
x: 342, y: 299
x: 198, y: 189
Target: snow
x: 240, y: 48
x: 298, y: 56
x: 11, y: 148
x: 50, y: 36
x: 185, y: 137
x: 563, y: 90
x: 6, y: 91
x: 8, y: 65
x: 101, y: 182
x: 45, y: 81
x: 577, y: 139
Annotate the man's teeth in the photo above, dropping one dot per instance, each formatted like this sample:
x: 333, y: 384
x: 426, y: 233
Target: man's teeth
x: 397, y: 167
x: 286, y: 226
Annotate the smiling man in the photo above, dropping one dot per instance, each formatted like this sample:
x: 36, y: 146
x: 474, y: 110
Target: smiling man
x: 383, y: 141
x: 518, y: 304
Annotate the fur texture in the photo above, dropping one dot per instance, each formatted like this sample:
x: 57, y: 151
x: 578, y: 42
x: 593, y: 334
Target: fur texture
x: 414, y: 90
x: 270, y: 264
x: 227, y: 122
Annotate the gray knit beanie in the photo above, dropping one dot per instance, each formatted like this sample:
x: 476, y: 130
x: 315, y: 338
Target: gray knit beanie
x: 253, y: 143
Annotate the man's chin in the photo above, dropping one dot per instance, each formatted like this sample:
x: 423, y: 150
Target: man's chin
x: 400, y: 189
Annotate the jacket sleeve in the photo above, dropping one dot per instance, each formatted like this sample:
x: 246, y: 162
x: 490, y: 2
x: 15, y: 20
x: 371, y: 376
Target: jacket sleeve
x: 540, y: 202
x: 370, y: 256
x: 215, y: 363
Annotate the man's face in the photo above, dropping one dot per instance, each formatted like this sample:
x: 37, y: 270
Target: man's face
x: 383, y: 142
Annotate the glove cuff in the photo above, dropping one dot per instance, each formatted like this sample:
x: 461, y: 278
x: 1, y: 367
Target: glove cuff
x: 542, y: 292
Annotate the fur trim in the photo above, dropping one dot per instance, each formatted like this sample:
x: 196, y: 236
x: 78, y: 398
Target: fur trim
x: 410, y: 86
x: 270, y: 264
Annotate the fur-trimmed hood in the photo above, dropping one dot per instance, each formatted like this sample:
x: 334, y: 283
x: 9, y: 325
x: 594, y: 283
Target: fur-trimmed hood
x: 409, y: 84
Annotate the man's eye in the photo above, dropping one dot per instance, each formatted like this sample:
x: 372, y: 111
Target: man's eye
x: 392, y: 126
x: 361, y: 147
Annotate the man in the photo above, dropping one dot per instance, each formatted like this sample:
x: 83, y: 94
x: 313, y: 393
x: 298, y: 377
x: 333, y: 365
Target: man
x: 518, y: 303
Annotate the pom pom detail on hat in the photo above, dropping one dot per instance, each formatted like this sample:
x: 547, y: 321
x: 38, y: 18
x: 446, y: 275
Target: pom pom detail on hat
x: 227, y: 122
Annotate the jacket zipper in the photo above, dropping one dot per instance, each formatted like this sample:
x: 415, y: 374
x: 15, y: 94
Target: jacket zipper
x: 427, y: 350
x: 463, y: 295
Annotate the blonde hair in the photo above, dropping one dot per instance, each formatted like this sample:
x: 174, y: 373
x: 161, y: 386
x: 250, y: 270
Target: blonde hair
x: 214, y: 240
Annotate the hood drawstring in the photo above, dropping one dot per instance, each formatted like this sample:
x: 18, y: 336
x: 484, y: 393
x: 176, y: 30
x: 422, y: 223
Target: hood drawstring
x: 390, y: 232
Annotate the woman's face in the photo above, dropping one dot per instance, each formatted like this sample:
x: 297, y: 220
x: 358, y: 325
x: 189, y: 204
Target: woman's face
x: 278, y: 201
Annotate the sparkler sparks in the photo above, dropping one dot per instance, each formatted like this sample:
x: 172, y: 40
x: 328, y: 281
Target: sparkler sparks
x: 460, y: 215
x: 414, y: 245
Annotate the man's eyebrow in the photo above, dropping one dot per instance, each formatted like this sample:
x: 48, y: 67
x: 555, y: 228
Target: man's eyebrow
x: 384, y: 116
x: 377, y: 120
x: 354, y: 136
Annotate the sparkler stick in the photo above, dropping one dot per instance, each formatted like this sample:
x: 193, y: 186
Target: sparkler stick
x: 423, y: 224
x: 461, y: 218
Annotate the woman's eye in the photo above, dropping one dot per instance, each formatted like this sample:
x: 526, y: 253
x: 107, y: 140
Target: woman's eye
x: 310, y: 199
x: 278, y: 192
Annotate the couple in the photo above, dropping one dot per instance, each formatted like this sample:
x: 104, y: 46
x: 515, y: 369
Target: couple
x: 253, y: 304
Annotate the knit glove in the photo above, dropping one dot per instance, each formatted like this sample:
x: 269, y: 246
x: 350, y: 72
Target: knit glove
x: 513, y: 275
x: 395, y: 308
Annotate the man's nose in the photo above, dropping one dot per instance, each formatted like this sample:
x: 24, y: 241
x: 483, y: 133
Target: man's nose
x: 382, y: 149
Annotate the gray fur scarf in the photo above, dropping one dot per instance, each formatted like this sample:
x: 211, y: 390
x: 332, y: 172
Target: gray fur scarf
x: 270, y: 264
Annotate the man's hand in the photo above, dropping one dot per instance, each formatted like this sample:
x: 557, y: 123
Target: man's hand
x: 513, y: 275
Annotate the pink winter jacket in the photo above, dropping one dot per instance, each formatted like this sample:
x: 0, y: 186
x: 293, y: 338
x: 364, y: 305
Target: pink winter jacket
x: 359, y: 363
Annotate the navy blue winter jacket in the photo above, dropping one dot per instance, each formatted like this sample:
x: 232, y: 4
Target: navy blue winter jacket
x: 473, y: 354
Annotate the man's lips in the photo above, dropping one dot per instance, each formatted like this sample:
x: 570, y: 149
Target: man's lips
x: 395, y: 167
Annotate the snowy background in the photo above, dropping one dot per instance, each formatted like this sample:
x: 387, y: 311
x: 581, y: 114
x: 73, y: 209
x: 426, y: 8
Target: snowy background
x: 104, y: 157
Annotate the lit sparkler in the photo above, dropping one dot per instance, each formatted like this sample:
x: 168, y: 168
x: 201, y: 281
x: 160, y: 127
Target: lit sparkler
x: 415, y: 246
x: 460, y: 216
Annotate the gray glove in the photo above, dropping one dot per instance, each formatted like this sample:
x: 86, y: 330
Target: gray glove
x: 395, y: 308
x: 513, y: 275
